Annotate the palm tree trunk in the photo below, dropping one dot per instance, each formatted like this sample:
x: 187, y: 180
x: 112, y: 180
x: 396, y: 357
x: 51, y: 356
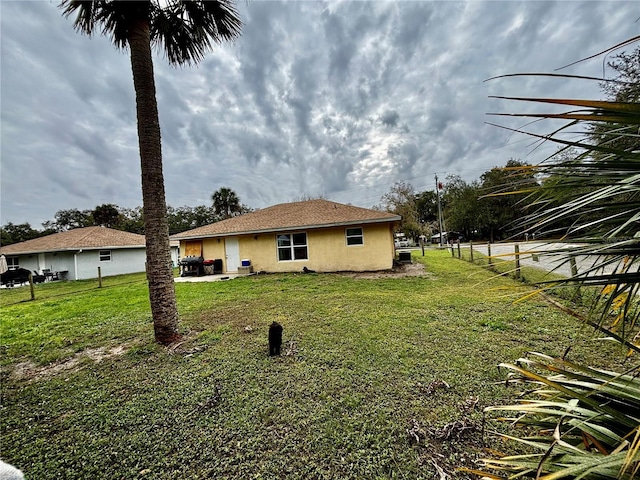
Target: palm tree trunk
x: 162, y: 293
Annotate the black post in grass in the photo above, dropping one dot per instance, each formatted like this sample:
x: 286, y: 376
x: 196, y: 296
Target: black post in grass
x: 517, y: 251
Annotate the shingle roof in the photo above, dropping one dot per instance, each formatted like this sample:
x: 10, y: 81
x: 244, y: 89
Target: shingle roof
x: 78, y: 238
x: 291, y: 216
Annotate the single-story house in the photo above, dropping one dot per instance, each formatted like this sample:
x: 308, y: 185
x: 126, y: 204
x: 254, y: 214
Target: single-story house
x: 321, y: 235
x: 76, y: 254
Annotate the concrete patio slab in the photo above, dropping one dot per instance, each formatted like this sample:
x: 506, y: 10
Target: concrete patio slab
x: 211, y: 278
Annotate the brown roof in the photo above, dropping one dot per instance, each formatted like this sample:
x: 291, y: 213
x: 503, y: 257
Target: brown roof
x: 78, y: 238
x: 291, y: 216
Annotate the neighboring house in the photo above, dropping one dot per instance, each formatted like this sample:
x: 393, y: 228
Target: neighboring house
x: 76, y: 254
x: 318, y: 234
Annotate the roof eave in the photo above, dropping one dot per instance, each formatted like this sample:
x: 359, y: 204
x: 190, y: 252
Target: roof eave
x: 69, y: 249
x: 394, y: 219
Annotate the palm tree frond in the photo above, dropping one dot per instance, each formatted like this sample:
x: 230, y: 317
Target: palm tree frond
x: 186, y: 30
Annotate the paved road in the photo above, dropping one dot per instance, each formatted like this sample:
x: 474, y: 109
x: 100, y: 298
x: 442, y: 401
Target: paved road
x: 532, y: 254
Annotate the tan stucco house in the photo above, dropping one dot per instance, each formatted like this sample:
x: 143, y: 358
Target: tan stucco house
x: 321, y: 235
x: 76, y: 254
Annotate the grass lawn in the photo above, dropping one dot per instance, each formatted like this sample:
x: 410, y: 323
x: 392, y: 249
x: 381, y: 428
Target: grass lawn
x: 382, y: 377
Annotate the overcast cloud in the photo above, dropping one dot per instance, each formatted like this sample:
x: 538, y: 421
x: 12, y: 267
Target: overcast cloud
x: 339, y: 99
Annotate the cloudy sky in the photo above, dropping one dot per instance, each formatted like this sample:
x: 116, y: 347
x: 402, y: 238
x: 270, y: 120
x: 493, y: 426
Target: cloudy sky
x: 339, y: 99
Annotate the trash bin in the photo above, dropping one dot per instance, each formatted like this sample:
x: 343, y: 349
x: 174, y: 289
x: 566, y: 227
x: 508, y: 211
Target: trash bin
x: 208, y: 267
x: 217, y: 266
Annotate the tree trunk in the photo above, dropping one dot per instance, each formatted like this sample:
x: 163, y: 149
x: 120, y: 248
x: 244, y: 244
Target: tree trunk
x: 162, y: 294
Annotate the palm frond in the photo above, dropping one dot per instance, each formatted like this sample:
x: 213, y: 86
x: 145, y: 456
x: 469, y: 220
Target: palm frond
x: 185, y: 30
x: 582, y: 422
x: 585, y: 421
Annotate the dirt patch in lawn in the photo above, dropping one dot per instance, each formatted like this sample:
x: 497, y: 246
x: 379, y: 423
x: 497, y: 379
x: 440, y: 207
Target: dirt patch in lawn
x: 29, y: 370
x: 405, y: 270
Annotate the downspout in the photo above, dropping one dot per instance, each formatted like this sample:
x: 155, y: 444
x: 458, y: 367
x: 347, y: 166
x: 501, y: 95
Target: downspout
x: 75, y: 264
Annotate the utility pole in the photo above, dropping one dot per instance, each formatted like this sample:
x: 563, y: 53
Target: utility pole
x: 439, y: 209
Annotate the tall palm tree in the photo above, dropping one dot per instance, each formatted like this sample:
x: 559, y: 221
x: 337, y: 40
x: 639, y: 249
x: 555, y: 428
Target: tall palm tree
x: 185, y: 30
x: 226, y: 203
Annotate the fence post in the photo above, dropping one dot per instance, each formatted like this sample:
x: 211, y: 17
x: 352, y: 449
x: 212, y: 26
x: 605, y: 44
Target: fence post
x: 99, y: 278
x: 33, y: 293
x: 517, y: 250
x: 458, y: 249
x: 471, y: 250
x: 574, y: 273
x: 574, y: 267
x: 453, y: 252
x: 489, y: 253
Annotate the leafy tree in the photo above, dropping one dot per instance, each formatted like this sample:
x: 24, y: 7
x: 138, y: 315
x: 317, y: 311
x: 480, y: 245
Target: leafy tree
x: 186, y: 218
x: 401, y: 200
x: 427, y: 207
x: 623, y: 87
x: 132, y: 220
x: 106, y: 215
x: 73, y: 218
x: 503, y: 191
x: 185, y: 30
x: 12, y: 233
x: 226, y: 203
x: 49, y: 227
x: 202, y: 215
x: 461, y: 206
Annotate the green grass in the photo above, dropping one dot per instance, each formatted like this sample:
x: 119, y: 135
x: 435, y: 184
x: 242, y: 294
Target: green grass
x: 366, y: 360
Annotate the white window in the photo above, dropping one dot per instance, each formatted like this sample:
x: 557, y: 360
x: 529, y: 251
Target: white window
x: 105, y: 255
x: 292, y: 246
x: 13, y: 263
x: 355, y: 236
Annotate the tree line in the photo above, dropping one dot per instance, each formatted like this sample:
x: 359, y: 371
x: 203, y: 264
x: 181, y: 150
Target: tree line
x: 486, y: 208
x: 225, y: 203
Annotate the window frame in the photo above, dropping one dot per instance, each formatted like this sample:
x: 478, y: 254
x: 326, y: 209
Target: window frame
x: 292, y: 246
x: 13, y: 263
x: 347, y: 237
x: 102, y: 256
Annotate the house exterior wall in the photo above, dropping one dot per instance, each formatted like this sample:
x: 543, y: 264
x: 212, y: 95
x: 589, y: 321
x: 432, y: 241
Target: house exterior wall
x: 175, y: 255
x: 123, y: 260
x: 327, y: 250
x: 56, y: 262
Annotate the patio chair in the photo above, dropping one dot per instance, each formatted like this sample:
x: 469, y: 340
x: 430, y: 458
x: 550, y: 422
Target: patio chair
x: 49, y: 275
